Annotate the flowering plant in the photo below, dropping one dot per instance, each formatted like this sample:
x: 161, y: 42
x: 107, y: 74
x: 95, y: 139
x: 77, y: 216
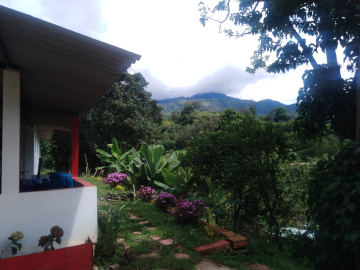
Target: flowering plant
x: 165, y: 200
x: 120, y: 188
x: 187, y: 211
x: 114, y: 179
x: 55, y: 235
x: 146, y: 194
x: 14, y: 238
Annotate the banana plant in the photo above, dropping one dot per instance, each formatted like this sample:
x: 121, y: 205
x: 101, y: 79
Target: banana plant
x: 127, y: 163
x: 131, y: 163
x: 173, y: 184
x: 152, y: 169
x: 217, y: 200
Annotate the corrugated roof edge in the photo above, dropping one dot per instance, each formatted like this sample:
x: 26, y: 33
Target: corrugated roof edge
x: 74, y: 35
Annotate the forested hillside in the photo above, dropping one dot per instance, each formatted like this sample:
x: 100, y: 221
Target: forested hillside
x: 217, y: 102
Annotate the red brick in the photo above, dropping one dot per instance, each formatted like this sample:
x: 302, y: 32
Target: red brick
x: 201, y: 221
x: 238, y: 241
x: 228, y: 234
x: 221, y: 230
x: 221, y: 245
x: 203, y: 250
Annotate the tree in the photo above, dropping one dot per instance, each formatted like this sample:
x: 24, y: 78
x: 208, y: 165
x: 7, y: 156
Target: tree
x: 187, y: 115
x: 281, y: 115
x: 126, y: 112
x: 281, y: 26
x: 246, y: 155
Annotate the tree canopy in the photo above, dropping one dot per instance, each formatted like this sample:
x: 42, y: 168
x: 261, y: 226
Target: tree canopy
x: 282, y: 27
x: 125, y: 112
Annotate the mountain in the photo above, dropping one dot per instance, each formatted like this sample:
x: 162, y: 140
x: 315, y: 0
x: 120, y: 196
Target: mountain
x: 217, y: 102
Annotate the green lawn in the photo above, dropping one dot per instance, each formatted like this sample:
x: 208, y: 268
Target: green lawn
x: 187, y: 236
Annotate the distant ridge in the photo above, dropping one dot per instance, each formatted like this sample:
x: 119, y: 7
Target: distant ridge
x: 218, y: 102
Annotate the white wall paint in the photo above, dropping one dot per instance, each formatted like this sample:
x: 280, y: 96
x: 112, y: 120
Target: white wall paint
x: 34, y: 213
x: 11, y: 133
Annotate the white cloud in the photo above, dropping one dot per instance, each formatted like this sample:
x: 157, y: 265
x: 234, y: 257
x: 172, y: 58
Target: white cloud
x: 179, y: 55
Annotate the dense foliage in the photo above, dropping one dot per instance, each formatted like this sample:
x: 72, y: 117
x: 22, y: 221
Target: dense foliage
x: 165, y: 200
x: 334, y: 201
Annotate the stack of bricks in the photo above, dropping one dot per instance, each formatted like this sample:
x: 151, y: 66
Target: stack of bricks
x: 233, y: 241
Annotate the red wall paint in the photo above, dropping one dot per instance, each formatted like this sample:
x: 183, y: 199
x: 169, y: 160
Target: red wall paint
x: 71, y: 258
x: 75, y: 147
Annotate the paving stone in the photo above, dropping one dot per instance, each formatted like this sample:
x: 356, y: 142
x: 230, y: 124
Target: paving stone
x: 114, y: 266
x: 210, y: 264
x: 151, y: 228
x: 259, y: 267
x: 150, y: 255
x: 126, y: 247
x: 120, y: 241
x: 143, y: 222
x: 133, y: 217
x: 137, y: 233
x: 95, y: 267
x: 182, y: 256
x: 238, y: 241
x: 221, y: 245
x: 155, y: 237
x: 203, y: 250
x: 228, y: 234
x: 166, y: 242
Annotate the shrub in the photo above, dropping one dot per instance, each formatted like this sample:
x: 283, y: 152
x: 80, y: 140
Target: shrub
x: 187, y: 212
x: 165, y: 200
x: 114, y: 179
x: 119, y: 188
x: 146, y: 194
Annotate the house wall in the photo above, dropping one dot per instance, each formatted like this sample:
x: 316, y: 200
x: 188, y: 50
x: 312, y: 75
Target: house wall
x: 34, y: 213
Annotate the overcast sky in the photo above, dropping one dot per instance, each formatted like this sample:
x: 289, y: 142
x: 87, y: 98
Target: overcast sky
x: 180, y: 57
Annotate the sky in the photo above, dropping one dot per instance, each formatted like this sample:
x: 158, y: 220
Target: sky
x: 180, y: 57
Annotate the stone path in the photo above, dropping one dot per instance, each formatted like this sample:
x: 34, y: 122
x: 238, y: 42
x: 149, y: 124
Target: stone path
x: 210, y: 264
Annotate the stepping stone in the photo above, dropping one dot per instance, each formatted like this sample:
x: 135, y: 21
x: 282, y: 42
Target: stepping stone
x: 151, y: 228
x: 155, y: 237
x: 210, y: 264
x: 137, y: 233
x: 133, y: 217
x: 150, y: 255
x: 259, y: 267
x: 120, y: 241
x: 182, y: 256
x: 143, y: 222
x: 166, y: 242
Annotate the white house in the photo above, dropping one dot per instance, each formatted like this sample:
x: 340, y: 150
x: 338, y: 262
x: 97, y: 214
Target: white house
x: 50, y: 77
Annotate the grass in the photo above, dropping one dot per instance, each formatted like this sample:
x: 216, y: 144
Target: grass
x: 188, y: 236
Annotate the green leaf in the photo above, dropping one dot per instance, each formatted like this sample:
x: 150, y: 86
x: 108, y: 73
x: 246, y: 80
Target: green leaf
x: 58, y: 240
x: 353, y: 237
x: 115, y: 150
x: 171, y: 179
x: 234, y: 202
x: 165, y: 187
x: 351, y: 207
x: 19, y: 245
x: 103, y: 153
x: 13, y: 250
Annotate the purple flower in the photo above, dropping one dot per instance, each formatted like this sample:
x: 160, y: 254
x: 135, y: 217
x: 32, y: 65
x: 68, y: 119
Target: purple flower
x: 114, y: 179
x: 187, y: 211
x: 165, y: 200
x: 146, y: 193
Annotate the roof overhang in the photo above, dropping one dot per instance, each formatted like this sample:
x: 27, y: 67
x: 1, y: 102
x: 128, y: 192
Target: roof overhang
x: 63, y: 73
